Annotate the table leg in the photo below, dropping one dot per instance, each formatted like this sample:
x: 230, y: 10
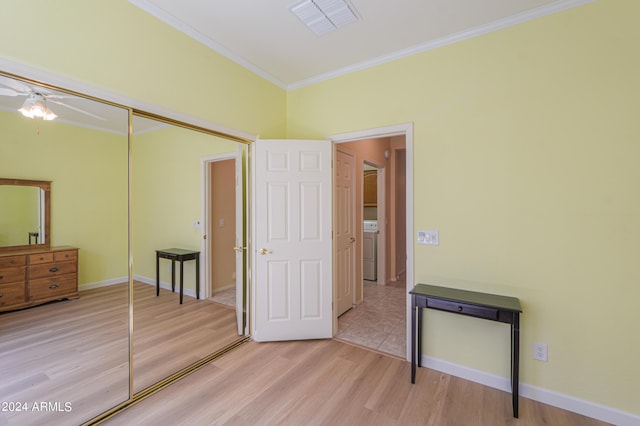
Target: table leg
x: 173, y: 275
x: 515, y: 361
x: 419, y: 338
x: 413, y: 338
x: 181, y: 279
x: 157, y: 275
x: 197, y: 276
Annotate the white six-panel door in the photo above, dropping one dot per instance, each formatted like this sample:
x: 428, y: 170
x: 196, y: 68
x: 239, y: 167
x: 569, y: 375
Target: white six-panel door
x: 293, y: 246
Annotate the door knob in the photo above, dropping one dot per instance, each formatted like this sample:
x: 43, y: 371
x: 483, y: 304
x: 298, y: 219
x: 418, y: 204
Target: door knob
x: 352, y: 240
x: 239, y: 248
x: 265, y: 251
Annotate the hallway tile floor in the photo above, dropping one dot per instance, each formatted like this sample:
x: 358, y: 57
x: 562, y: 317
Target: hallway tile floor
x: 379, y: 322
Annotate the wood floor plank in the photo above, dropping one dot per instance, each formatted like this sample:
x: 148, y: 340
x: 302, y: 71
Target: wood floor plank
x: 328, y: 382
x: 77, y: 351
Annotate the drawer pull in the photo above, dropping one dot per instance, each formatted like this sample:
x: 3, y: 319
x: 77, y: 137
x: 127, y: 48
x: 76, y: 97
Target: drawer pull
x: 53, y: 286
x: 53, y: 270
x: 1, y: 277
x: 1, y: 294
x: 459, y: 308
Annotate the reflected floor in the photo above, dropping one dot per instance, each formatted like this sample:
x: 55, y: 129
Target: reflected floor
x: 379, y: 322
x: 169, y: 336
x: 226, y: 297
x: 71, y: 351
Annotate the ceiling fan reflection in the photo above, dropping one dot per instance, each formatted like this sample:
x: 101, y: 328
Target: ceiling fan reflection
x: 35, y: 105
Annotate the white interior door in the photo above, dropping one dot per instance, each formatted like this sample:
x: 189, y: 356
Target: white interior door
x: 345, y: 233
x: 293, y: 245
x: 240, y: 240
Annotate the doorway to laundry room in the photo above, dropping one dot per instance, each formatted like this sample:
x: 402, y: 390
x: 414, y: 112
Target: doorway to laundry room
x: 377, y: 317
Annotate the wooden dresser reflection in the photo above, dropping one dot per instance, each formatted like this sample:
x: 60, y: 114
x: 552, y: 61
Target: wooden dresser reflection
x: 29, y: 278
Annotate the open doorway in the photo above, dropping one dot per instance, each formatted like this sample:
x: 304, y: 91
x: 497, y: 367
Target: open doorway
x: 224, y: 240
x: 378, y: 317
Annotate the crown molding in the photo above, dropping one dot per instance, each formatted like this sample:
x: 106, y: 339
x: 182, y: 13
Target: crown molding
x: 529, y: 15
x: 500, y: 24
x: 171, y: 20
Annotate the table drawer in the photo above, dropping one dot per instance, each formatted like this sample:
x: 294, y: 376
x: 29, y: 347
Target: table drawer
x: 464, y: 309
x: 11, y: 275
x: 35, y: 259
x: 52, y: 269
x: 12, y: 261
x: 52, y: 286
x: 61, y: 256
x: 12, y: 294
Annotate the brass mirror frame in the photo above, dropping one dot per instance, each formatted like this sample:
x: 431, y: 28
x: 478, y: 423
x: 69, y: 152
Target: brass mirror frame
x: 45, y: 186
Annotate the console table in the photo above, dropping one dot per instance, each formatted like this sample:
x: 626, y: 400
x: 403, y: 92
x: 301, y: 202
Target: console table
x: 480, y: 305
x: 181, y: 255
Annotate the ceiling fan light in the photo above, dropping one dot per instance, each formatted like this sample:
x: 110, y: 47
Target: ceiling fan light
x: 35, y: 107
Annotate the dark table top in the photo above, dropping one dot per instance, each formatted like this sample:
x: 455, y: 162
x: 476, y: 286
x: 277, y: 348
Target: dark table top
x: 177, y: 251
x: 466, y: 296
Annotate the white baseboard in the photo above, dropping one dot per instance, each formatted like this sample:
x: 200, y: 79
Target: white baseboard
x: 566, y: 402
x: 105, y: 283
x: 165, y: 285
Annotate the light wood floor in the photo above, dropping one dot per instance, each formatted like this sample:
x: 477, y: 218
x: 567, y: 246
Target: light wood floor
x: 328, y: 382
x: 77, y: 351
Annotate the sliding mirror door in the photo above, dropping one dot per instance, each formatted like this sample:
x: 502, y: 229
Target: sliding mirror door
x: 188, y: 191
x: 65, y: 361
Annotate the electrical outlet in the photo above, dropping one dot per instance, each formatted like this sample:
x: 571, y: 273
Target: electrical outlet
x: 540, y: 351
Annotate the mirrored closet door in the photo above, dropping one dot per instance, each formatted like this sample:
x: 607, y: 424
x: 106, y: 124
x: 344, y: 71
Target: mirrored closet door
x: 64, y: 296
x: 93, y: 212
x: 187, y: 225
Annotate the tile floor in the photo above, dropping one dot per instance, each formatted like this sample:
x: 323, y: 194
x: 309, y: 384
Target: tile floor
x: 379, y: 322
x: 226, y: 296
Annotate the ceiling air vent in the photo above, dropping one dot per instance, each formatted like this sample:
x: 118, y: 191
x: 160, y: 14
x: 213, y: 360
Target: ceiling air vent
x: 324, y: 16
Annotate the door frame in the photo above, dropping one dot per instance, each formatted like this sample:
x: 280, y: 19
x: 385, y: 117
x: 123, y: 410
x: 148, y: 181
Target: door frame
x: 206, y: 222
x: 381, y: 132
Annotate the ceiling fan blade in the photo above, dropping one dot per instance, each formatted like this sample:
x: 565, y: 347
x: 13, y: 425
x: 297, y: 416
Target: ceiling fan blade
x: 8, y: 92
x: 15, y: 85
x: 76, y: 109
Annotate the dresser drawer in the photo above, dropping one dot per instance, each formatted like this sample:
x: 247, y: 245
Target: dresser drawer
x: 61, y: 256
x: 12, y: 294
x: 52, y: 286
x: 12, y: 261
x: 52, y: 269
x: 464, y: 309
x: 12, y: 275
x: 35, y: 259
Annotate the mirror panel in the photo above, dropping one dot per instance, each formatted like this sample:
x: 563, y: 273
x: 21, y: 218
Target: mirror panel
x: 68, y: 361
x: 24, y: 214
x: 176, y: 175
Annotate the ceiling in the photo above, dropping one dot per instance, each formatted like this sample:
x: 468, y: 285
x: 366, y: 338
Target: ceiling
x: 267, y: 38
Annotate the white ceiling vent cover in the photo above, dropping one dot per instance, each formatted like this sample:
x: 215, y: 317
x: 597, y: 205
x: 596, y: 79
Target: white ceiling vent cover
x: 324, y: 16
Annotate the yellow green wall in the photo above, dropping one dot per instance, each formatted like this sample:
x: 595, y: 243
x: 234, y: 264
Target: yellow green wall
x: 88, y: 173
x: 167, y: 193
x: 526, y: 150
x: 118, y: 47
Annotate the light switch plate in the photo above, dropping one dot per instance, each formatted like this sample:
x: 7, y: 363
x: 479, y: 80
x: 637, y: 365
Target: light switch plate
x: 429, y: 238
